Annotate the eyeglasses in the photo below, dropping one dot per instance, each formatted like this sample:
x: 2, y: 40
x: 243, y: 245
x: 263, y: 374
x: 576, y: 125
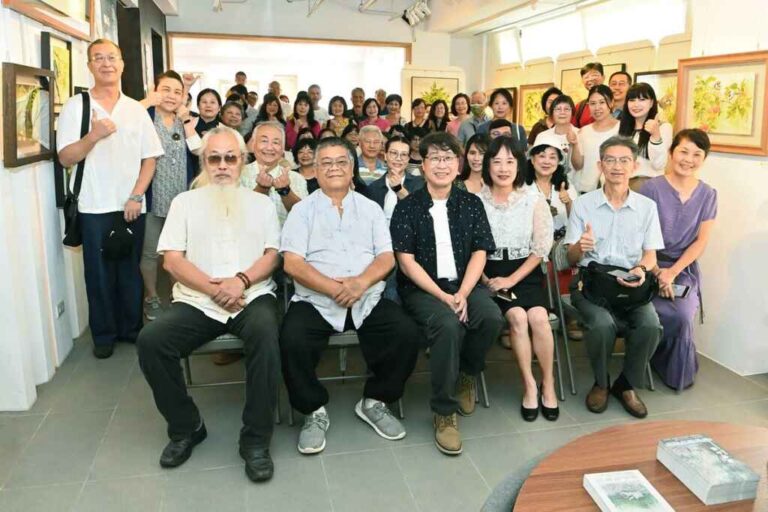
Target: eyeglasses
x: 436, y: 160
x: 229, y: 159
x: 101, y: 59
x: 341, y: 163
x: 612, y: 161
x: 394, y: 155
x: 563, y: 109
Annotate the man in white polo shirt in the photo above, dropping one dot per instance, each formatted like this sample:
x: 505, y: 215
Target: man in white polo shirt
x: 119, y: 152
x: 219, y: 243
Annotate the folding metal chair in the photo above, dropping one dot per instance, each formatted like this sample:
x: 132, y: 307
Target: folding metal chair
x: 557, y: 323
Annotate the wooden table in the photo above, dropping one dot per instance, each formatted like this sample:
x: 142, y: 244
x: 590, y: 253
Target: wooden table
x: 556, y: 483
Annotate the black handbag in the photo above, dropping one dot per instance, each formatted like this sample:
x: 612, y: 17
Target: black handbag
x: 73, y: 235
x: 601, y: 288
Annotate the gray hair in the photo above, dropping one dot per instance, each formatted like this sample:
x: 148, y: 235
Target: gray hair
x: 203, y: 179
x: 334, y: 142
x: 370, y: 128
x: 277, y: 125
x: 618, y: 140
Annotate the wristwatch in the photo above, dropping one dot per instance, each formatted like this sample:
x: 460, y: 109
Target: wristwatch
x: 137, y: 198
x: 397, y: 188
x: 284, y: 191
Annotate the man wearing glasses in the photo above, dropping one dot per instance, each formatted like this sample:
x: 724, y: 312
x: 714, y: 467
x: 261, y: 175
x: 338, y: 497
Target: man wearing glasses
x: 441, y: 235
x: 119, y: 152
x: 219, y: 244
x: 615, y: 226
x: 337, y: 248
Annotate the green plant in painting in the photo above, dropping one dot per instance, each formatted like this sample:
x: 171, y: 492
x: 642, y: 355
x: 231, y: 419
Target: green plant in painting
x: 715, y: 104
x: 434, y: 93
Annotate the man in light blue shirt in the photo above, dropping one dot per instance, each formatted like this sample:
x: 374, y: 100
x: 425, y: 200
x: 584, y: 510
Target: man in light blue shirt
x: 469, y: 127
x: 615, y: 226
x: 337, y: 247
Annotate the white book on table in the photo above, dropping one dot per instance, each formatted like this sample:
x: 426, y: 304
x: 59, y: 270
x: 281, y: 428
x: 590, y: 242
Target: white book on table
x: 707, y: 470
x: 624, y: 491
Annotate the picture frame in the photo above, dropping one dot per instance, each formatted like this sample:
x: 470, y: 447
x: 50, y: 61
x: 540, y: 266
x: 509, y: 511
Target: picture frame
x: 27, y: 114
x: 431, y: 89
x: 56, y: 55
x: 570, y: 80
x: 529, y: 104
x: 664, y: 83
x: 72, y: 17
x: 726, y: 96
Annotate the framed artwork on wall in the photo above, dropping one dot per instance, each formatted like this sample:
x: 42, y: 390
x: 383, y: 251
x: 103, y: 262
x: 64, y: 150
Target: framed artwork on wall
x: 726, y: 96
x: 108, y: 13
x: 432, y: 89
x: 529, y: 104
x: 56, y: 55
x: 570, y: 80
x: 27, y: 114
x: 72, y: 17
x: 664, y: 83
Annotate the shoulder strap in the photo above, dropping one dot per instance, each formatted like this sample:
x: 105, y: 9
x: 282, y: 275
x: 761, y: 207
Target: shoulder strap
x: 83, y: 132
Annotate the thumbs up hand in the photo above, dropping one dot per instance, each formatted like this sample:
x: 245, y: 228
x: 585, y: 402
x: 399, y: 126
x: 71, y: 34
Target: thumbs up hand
x: 587, y: 240
x: 101, y: 128
x: 563, y: 194
x: 570, y: 136
x: 652, y: 127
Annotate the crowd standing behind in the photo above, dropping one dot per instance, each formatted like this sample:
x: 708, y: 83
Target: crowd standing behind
x: 432, y: 232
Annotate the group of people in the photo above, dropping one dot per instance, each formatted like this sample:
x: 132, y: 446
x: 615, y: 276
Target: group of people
x: 434, y: 235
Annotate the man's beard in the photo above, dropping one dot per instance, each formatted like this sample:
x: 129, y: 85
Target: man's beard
x: 227, y: 203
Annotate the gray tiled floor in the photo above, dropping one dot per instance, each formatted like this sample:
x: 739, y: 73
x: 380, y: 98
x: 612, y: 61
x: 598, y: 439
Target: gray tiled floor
x: 91, y: 442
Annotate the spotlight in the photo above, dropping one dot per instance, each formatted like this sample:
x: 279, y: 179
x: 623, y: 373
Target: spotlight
x: 416, y: 13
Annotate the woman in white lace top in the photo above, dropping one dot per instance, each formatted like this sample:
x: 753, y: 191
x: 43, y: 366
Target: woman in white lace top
x: 522, y: 229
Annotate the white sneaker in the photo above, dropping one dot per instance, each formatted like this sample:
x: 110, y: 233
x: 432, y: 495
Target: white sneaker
x: 381, y: 419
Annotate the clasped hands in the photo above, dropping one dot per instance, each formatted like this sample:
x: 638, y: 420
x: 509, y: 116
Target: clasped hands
x: 229, y: 293
x: 348, y: 291
x: 458, y: 304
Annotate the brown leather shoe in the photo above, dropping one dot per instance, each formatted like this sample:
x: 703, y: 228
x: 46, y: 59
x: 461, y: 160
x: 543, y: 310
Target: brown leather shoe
x: 465, y: 394
x: 597, y: 399
x: 225, y: 358
x: 631, y: 403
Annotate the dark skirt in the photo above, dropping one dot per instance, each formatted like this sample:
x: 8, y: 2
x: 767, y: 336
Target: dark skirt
x: 530, y: 292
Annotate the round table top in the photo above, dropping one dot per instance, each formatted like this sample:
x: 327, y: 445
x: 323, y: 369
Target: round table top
x: 556, y: 483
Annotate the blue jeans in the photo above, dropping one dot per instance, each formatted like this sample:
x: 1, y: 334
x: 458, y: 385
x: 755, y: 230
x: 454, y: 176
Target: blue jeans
x: 114, y: 288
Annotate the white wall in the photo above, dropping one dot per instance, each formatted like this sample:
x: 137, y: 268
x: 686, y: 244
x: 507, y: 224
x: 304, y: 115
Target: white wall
x: 37, y: 272
x: 735, y: 274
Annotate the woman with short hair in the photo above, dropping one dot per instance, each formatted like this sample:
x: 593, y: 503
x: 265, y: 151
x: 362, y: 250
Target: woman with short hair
x: 545, y: 123
x: 372, y: 118
x: 304, y: 156
x: 338, y: 121
x: 394, y: 104
x: 271, y: 110
x: 501, y: 103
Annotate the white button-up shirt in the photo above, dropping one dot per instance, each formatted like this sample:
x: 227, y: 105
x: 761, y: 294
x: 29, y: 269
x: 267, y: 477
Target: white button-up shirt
x: 112, y: 166
x: 337, y: 246
x: 297, y: 183
x: 220, y: 243
x: 621, y: 235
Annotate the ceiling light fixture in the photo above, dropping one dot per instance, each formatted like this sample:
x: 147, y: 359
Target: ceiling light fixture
x: 416, y: 13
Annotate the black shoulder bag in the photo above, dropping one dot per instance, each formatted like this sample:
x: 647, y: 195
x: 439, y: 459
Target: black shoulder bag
x: 601, y: 288
x: 73, y: 236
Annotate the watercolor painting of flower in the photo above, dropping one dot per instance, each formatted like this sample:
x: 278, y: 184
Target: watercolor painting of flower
x: 723, y: 103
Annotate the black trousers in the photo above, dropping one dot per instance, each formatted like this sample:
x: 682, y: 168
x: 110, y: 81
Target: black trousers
x: 454, y: 347
x: 178, y: 332
x: 388, y: 340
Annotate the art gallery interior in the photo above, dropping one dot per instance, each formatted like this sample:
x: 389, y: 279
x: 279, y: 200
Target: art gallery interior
x: 77, y: 433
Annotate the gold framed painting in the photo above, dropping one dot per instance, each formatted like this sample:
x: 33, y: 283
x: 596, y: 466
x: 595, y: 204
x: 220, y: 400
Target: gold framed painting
x: 72, y: 17
x: 433, y: 89
x: 570, y: 81
x: 529, y: 104
x: 27, y: 114
x: 664, y: 83
x: 726, y: 96
x: 56, y: 55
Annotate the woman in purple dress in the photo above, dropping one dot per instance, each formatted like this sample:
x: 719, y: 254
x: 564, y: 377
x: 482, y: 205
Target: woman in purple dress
x: 687, y: 210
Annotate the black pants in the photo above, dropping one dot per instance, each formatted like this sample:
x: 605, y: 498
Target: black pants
x: 388, y: 340
x: 114, y: 287
x: 454, y: 347
x: 182, y: 329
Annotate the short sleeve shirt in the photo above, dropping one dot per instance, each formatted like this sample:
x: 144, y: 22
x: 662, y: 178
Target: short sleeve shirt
x: 621, y: 235
x: 112, y: 166
x: 297, y: 182
x: 219, y: 244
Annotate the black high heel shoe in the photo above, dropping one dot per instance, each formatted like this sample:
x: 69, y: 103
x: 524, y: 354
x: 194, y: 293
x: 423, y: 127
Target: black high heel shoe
x: 549, y: 413
x: 528, y: 414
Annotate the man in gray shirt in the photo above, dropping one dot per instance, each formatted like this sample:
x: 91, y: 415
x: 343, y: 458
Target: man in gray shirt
x: 337, y: 247
x: 469, y: 127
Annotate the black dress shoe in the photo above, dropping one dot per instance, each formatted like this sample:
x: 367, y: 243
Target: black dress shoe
x: 258, y: 463
x: 549, y: 413
x: 529, y: 414
x: 177, y: 452
x: 103, y: 351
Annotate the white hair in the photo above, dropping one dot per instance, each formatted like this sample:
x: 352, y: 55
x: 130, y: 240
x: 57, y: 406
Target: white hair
x: 370, y: 128
x: 202, y: 178
x: 277, y: 125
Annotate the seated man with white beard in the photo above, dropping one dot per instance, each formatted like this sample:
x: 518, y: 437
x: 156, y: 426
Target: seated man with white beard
x: 220, y: 244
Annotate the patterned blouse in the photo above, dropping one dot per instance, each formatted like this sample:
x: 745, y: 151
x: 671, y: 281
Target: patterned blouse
x: 170, y: 177
x: 413, y: 232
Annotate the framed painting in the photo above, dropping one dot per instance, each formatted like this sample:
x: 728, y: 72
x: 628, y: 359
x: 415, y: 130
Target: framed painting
x: 664, y: 84
x: 570, y: 81
x: 72, y: 17
x: 726, y: 96
x: 57, y: 56
x: 432, y: 89
x: 108, y: 14
x: 27, y: 114
x: 529, y: 104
